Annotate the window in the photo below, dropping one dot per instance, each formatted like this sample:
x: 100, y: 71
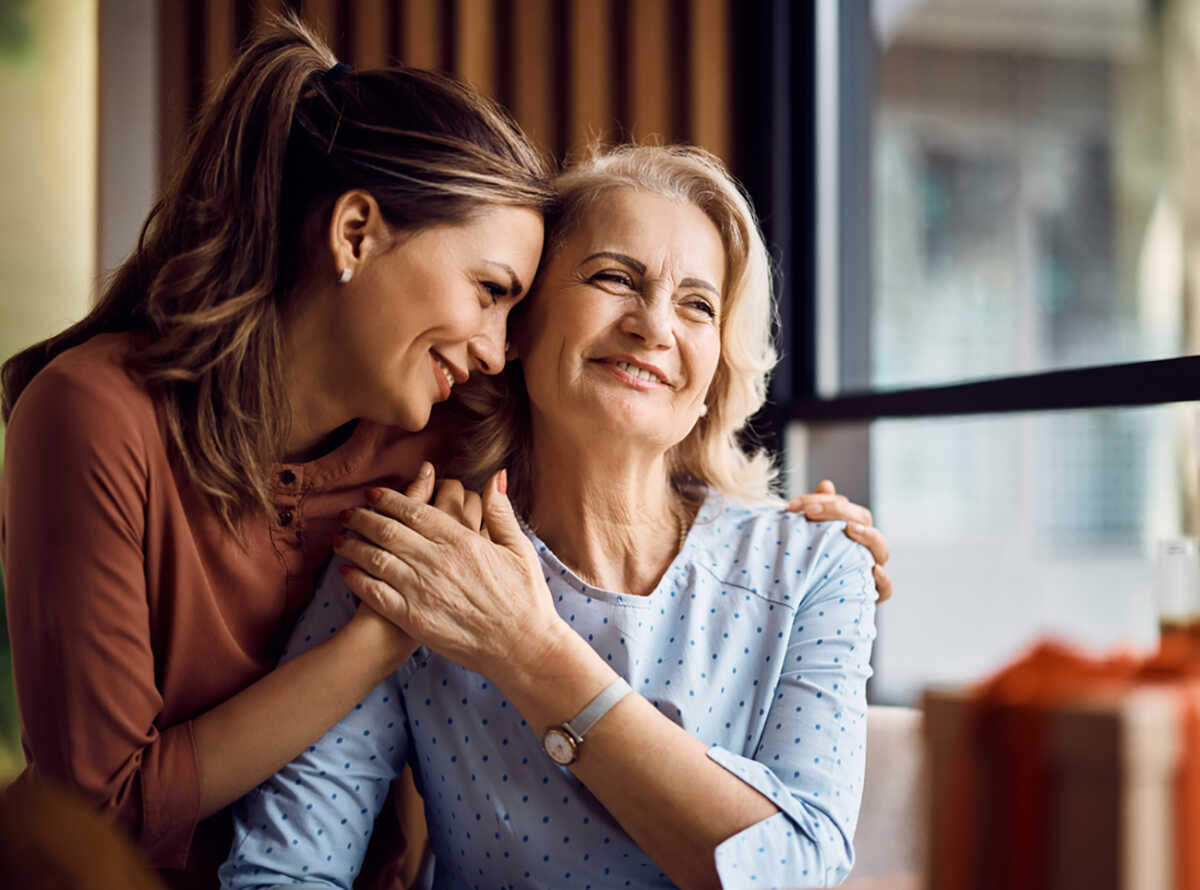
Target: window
x: 1022, y: 209
x: 984, y: 215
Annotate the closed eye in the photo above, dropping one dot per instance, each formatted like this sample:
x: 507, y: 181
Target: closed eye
x: 614, y: 276
x: 495, y: 290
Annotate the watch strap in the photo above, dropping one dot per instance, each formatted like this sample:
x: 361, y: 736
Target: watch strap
x: 597, y: 708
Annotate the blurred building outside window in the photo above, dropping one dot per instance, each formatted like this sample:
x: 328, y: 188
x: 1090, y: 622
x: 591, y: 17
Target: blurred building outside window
x: 1032, y: 209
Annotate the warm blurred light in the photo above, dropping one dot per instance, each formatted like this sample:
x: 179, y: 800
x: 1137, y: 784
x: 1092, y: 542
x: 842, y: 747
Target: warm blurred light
x: 48, y: 62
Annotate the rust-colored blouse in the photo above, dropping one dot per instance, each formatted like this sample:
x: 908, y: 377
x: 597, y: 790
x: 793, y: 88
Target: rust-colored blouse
x: 131, y: 608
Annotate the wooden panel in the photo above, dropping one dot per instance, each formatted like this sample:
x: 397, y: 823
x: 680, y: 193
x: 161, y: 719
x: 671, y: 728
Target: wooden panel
x: 173, y: 113
x: 220, y: 35
x: 650, y: 70
x: 263, y: 8
x: 589, y: 72
x: 708, y: 75
x: 474, y: 39
x: 533, y: 74
x: 321, y: 16
x: 370, y: 37
x: 421, y: 32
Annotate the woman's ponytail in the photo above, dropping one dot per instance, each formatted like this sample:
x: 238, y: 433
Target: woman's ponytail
x: 285, y: 132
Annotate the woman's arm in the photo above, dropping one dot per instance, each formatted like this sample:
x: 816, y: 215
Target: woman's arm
x: 825, y: 504
x: 310, y: 823
x: 76, y: 473
x: 307, y: 693
x: 245, y: 740
x: 664, y: 786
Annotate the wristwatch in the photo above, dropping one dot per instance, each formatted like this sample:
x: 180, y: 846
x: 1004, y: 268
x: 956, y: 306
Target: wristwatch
x: 561, y: 743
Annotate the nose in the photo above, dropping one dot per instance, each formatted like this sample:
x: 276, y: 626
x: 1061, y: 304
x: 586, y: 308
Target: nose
x: 651, y: 319
x: 487, y: 347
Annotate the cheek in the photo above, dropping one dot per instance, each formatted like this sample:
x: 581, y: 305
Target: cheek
x: 706, y: 359
x: 458, y: 315
x: 547, y: 334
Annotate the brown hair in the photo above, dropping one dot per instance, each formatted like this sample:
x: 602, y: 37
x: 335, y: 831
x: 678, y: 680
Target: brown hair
x: 283, y: 135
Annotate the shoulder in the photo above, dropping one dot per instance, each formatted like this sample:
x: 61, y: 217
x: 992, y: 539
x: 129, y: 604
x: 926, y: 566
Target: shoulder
x: 91, y: 385
x: 83, y: 411
x: 780, y: 555
x: 83, y: 432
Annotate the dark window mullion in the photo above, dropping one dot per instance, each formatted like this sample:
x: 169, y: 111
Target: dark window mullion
x: 1105, y: 386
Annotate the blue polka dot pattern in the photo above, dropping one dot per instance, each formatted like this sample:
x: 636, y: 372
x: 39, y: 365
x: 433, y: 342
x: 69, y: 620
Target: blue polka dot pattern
x: 757, y: 640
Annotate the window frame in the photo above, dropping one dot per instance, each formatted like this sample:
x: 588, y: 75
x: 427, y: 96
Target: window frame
x: 816, y: 77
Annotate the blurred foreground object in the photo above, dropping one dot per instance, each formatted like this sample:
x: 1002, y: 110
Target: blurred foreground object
x: 1065, y: 771
x: 888, y: 841
x: 52, y: 840
x: 1177, y: 588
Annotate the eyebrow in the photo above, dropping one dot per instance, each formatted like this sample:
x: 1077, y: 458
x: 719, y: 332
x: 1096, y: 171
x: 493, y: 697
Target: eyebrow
x: 515, y: 288
x: 640, y: 268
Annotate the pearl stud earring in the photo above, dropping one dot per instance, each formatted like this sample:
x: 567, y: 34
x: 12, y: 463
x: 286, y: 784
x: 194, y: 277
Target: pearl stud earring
x: 703, y: 409
x: 344, y: 278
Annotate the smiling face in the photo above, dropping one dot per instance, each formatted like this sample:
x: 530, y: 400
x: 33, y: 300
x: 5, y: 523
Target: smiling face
x: 622, y: 334
x: 423, y: 315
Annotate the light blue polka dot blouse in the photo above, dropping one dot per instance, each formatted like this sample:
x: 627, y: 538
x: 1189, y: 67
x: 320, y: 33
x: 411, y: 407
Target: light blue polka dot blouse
x: 757, y: 640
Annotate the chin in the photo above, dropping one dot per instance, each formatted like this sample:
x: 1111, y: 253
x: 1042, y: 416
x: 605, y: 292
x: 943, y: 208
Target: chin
x: 629, y: 421
x: 407, y: 416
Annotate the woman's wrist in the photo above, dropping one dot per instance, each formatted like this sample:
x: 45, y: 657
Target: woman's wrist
x: 370, y: 636
x: 557, y: 674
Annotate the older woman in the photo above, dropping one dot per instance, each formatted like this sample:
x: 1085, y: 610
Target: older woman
x: 660, y: 679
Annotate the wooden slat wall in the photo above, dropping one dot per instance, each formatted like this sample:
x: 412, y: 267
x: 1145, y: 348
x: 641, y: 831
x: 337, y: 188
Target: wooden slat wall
x: 572, y: 71
x: 709, y: 72
x: 650, y: 43
x: 474, y: 44
x: 590, y: 108
x: 420, y: 34
x: 532, y: 100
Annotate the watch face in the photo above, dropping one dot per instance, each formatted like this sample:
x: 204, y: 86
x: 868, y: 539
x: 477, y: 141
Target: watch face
x: 558, y: 746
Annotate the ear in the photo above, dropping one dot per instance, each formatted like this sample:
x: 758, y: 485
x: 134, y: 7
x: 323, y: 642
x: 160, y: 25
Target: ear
x: 356, y: 229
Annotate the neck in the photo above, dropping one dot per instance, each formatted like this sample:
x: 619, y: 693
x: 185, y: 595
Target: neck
x: 606, y: 510
x: 319, y: 411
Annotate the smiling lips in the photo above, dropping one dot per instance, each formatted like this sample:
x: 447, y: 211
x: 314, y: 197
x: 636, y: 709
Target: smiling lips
x: 636, y: 375
x: 443, y: 374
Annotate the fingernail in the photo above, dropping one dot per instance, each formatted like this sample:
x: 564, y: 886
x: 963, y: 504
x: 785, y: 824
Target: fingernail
x: 338, y: 541
x: 854, y: 527
x: 426, y: 469
x: 345, y: 516
x: 374, y: 494
x: 816, y: 508
x: 502, y: 482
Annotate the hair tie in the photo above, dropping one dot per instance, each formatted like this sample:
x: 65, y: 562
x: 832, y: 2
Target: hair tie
x: 338, y: 70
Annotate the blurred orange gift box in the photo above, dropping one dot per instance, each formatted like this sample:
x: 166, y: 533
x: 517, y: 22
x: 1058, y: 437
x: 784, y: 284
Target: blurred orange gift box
x: 1067, y: 771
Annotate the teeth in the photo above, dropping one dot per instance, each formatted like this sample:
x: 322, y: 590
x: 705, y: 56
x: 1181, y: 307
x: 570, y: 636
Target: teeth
x: 446, y: 371
x: 639, y: 373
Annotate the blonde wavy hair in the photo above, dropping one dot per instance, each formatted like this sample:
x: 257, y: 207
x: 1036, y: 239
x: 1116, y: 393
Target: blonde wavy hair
x: 714, y: 455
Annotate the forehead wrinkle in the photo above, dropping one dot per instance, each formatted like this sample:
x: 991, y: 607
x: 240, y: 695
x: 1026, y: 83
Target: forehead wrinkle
x: 598, y: 224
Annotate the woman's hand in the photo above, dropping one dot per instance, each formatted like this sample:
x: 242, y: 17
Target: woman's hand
x: 826, y: 503
x: 481, y: 603
x: 457, y: 502
x: 452, y: 499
